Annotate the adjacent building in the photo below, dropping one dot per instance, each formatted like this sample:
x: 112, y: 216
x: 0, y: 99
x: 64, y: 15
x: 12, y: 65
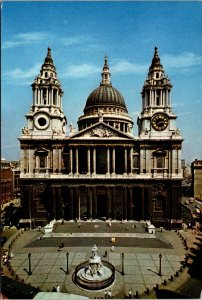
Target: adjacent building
x: 196, y: 171
x: 101, y: 171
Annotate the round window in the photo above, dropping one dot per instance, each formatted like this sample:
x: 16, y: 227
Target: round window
x: 42, y: 121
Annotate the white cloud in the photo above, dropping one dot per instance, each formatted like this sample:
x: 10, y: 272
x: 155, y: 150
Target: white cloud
x: 80, y: 71
x: 23, y: 74
x: 182, y: 61
x: 24, y: 39
x: 75, y: 40
x: 129, y: 68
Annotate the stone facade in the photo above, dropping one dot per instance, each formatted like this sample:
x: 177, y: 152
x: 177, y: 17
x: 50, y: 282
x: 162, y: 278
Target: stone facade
x: 101, y: 170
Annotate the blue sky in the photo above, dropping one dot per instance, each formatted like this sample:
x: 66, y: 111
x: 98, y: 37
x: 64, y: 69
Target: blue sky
x: 80, y: 34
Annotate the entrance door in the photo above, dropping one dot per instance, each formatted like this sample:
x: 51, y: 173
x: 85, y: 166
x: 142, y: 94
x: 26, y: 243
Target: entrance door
x: 101, y: 206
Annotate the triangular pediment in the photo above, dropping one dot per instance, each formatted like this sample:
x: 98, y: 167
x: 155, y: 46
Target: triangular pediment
x: 100, y: 130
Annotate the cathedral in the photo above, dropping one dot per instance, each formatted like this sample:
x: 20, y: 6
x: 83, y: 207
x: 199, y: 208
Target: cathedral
x: 101, y: 171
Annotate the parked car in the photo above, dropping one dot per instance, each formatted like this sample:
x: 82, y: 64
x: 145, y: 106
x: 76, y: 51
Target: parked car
x: 186, y: 202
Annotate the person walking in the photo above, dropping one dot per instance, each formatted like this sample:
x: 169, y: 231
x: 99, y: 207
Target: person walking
x: 58, y: 288
x: 109, y: 294
x: 130, y: 294
x: 54, y: 289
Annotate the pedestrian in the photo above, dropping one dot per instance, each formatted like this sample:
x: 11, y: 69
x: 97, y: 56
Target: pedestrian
x: 54, y: 289
x: 58, y: 288
x: 105, y: 294
x: 130, y: 294
x: 112, y: 248
x: 105, y: 253
x: 109, y: 294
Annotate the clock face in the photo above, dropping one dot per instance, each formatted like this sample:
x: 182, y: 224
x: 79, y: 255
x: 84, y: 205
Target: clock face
x: 159, y: 122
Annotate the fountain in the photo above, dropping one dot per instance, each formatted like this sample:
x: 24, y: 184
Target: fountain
x: 94, y: 274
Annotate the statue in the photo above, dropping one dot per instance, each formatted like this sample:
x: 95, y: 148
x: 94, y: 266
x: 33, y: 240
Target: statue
x: 25, y: 130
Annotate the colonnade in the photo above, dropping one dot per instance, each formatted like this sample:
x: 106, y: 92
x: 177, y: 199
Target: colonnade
x: 47, y: 96
x: 110, y: 202
x: 110, y: 159
x: 150, y: 98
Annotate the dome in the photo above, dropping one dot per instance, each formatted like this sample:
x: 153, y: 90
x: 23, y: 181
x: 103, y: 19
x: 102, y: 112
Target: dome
x: 105, y: 95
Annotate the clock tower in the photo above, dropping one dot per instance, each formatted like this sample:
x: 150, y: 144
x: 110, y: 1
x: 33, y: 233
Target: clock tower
x: 157, y: 119
x: 46, y: 116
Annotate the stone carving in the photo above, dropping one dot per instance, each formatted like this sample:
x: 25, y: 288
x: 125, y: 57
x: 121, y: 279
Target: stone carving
x: 102, y: 132
x: 176, y: 132
x: 25, y: 130
x: 56, y: 131
x: 71, y: 128
x: 100, y: 114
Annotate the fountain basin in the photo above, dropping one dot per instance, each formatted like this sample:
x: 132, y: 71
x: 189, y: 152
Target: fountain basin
x: 95, y: 282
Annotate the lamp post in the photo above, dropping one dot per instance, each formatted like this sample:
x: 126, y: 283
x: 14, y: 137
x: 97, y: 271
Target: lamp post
x: 160, y: 257
x: 67, y: 256
x: 29, y: 257
x: 122, y: 256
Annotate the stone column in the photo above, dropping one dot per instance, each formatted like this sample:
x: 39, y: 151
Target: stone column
x: 71, y: 203
x: 143, y: 195
x: 88, y: 160
x: 94, y: 160
x: 77, y: 162
x: 131, y: 160
x: 109, y: 207
x: 108, y: 160
x: 113, y: 161
x: 77, y: 203
x: 59, y: 159
x: 94, y: 203
x: 125, y: 161
x: 51, y: 102
x: 71, y: 161
x: 89, y: 208
x: 125, y: 201
x: 53, y: 204
x: 112, y: 202
x: 130, y: 211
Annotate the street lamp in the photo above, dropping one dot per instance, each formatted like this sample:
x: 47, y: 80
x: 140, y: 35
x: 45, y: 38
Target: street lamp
x: 160, y: 257
x: 122, y: 272
x: 29, y: 257
x: 67, y: 256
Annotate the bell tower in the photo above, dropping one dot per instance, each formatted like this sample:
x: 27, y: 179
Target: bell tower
x: 46, y: 116
x: 157, y: 119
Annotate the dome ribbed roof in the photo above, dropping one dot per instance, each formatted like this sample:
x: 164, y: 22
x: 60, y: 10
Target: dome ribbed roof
x: 105, y: 94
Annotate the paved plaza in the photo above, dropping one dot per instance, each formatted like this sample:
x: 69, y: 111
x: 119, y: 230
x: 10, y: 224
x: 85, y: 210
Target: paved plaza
x: 141, y: 256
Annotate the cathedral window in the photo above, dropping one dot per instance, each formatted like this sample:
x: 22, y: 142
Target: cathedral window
x: 42, y: 162
x: 160, y: 161
x: 46, y: 74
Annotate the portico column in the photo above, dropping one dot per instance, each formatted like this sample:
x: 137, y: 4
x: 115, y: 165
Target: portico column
x: 125, y: 198
x: 112, y: 202
x: 77, y: 161
x: 143, y: 195
x: 71, y: 161
x: 113, y: 161
x: 125, y: 161
x: 89, y: 208
x: 88, y: 159
x: 130, y: 210
x: 109, y: 207
x: 71, y: 204
x: 131, y: 160
x: 94, y: 203
x: 94, y: 160
x: 108, y: 161
x: 77, y: 203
